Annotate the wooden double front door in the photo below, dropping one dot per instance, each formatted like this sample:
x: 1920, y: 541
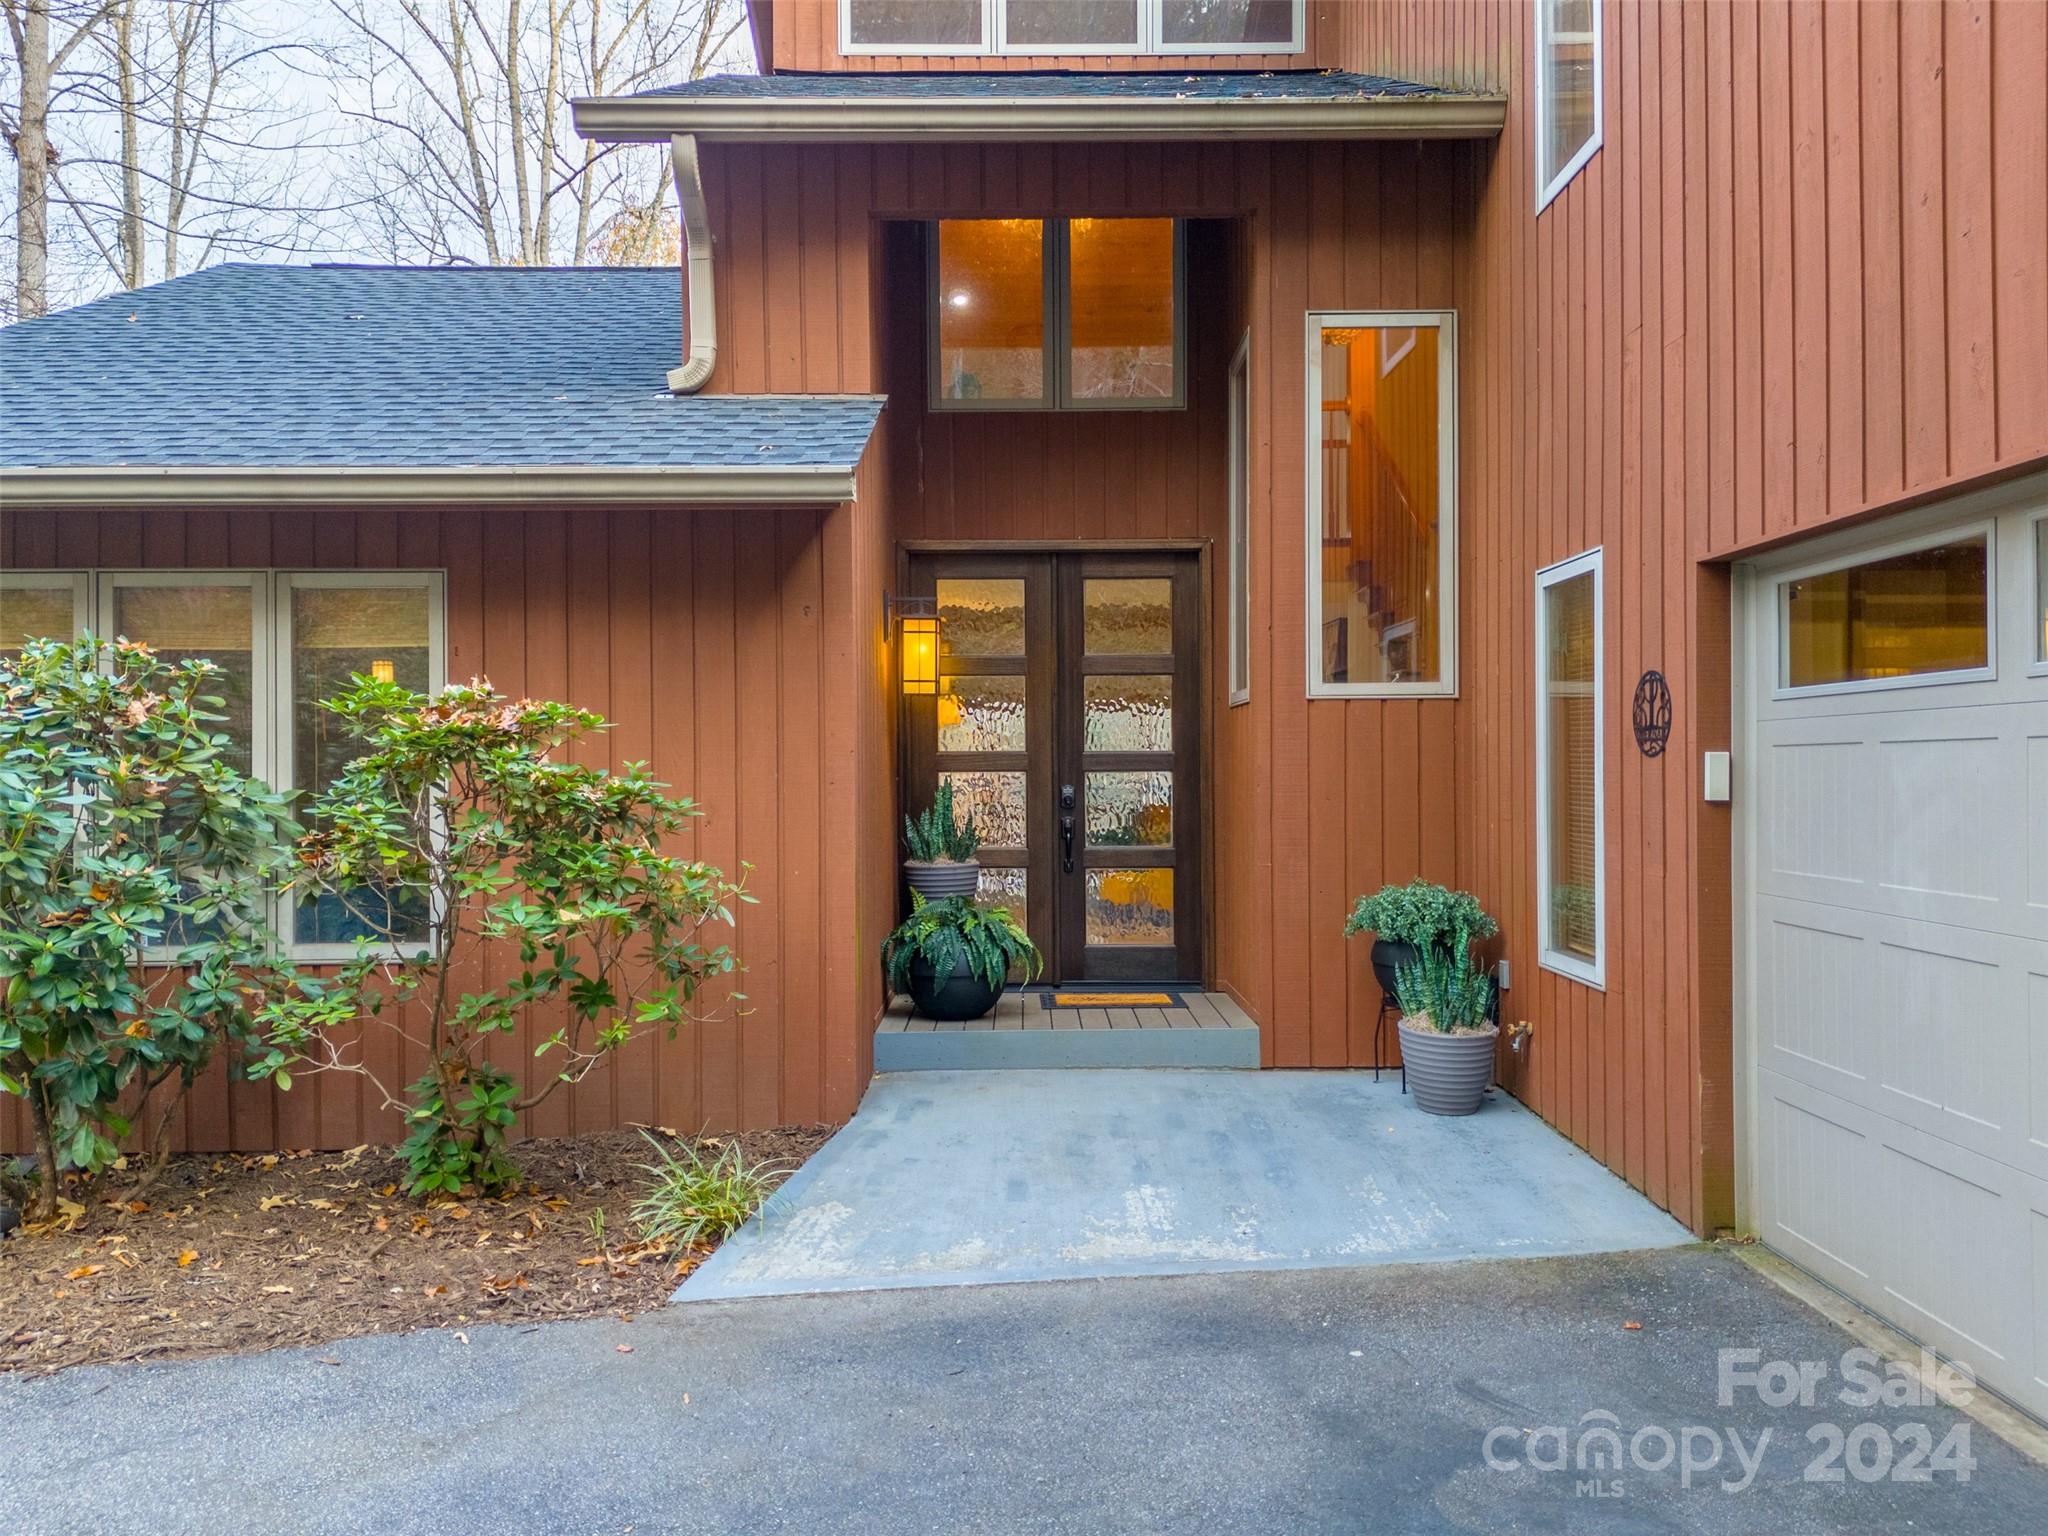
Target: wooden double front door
x: 1068, y: 721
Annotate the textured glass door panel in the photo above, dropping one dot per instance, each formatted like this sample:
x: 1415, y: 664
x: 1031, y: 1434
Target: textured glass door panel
x: 1002, y: 888
x: 981, y: 714
x: 1130, y: 906
x: 1127, y: 615
x: 201, y: 623
x: 1127, y: 712
x: 995, y: 801
x: 981, y: 617
x: 1130, y: 810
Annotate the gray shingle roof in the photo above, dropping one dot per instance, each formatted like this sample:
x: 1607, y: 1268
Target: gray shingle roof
x: 435, y: 368
x: 1206, y: 85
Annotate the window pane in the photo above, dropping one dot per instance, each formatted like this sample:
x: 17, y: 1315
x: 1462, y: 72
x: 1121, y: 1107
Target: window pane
x: 1927, y: 611
x: 991, y: 309
x: 2041, y: 590
x: 981, y: 714
x: 1130, y: 810
x: 339, y: 633
x: 1127, y: 616
x: 1380, y: 508
x: 1214, y: 23
x: 1130, y: 906
x: 981, y: 618
x: 1065, y: 24
x: 1123, y: 712
x: 1569, y: 63
x: 1573, y: 757
x: 34, y: 613
x: 912, y: 24
x: 995, y: 801
x: 215, y: 624
x: 1121, y: 277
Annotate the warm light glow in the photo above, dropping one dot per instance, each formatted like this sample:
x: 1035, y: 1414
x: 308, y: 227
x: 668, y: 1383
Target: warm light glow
x: 383, y: 671
x: 920, y: 655
x: 958, y: 298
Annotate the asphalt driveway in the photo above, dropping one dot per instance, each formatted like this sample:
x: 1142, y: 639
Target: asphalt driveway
x: 1292, y: 1401
x: 968, y: 1178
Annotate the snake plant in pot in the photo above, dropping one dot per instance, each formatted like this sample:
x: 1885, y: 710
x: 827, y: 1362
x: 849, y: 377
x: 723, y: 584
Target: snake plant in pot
x: 953, y: 957
x: 1447, y: 1029
x: 942, y: 846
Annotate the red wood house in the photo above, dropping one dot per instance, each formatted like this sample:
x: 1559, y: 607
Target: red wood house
x: 1588, y: 453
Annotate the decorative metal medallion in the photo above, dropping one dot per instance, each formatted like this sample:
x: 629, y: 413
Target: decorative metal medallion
x: 1652, y: 714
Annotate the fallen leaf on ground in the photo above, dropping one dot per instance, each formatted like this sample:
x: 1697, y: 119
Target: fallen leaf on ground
x: 275, y: 1202
x: 85, y: 1271
x: 277, y: 1290
x: 186, y: 1257
x: 624, y: 1349
x: 1633, y: 1327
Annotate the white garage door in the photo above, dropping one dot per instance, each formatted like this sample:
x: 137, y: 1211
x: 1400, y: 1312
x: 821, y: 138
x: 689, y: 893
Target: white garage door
x: 1895, y: 856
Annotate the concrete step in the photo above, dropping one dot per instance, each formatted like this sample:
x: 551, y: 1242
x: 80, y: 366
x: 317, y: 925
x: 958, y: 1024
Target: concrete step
x: 940, y: 1049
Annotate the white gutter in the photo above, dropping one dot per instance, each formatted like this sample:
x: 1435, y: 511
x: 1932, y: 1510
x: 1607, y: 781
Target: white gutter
x: 703, y: 321
x: 303, y: 485
x: 649, y: 119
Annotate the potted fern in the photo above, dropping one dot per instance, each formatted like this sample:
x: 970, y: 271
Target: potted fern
x: 942, y: 847
x: 1408, y: 920
x: 1447, y: 1029
x: 953, y: 957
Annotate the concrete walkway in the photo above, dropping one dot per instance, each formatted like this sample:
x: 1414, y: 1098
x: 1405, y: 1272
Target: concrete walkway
x: 966, y: 1178
x: 1299, y: 1403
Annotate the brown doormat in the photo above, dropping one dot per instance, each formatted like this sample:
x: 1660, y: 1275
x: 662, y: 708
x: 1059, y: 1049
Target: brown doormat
x: 1112, y: 1000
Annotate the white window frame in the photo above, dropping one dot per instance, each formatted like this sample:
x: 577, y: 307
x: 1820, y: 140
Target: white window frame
x: 284, y: 777
x: 1961, y: 533
x: 1445, y: 323
x: 1546, y: 190
x: 79, y: 582
x: 994, y: 41
x: 2037, y: 529
x: 270, y: 713
x: 1548, y: 956
x: 1238, y: 598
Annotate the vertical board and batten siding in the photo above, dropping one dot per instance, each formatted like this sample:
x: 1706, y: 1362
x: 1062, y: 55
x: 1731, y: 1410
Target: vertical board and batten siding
x: 1316, y: 802
x: 1804, y: 279
x: 717, y: 643
x: 804, y: 35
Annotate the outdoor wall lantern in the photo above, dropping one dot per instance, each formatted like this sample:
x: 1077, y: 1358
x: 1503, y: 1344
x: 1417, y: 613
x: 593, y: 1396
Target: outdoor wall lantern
x: 917, y: 622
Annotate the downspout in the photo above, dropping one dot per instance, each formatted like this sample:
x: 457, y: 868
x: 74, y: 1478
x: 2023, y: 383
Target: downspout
x: 703, y: 321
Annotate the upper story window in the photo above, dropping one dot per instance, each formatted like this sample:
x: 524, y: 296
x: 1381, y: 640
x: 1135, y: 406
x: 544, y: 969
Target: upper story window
x: 1070, y: 26
x: 1073, y: 314
x: 1567, y: 92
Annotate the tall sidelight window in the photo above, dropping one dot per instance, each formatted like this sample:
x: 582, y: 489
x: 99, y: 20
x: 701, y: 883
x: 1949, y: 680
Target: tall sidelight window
x: 1241, y: 523
x: 1382, y: 504
x: 1570, y: 792
x: 1568, y: 91
x: 285, y: 642
x: 1071, y: 26
x: 1080, y: 314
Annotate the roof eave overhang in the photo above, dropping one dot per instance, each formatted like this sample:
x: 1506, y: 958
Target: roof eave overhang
x: 556, y: 485
x: 648, y: 119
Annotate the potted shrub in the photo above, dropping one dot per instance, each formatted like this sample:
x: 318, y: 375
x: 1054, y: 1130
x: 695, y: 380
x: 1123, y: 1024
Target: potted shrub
x: 1408, y: 920
x: 1447, y: 1029
x: 941, y: 847
x: 953, y: 957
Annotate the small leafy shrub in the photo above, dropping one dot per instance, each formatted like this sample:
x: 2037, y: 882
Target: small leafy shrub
x: 941, y: 933
x: 1446, y: 991
x: 693, y: 1202
x: 460, y: 827
x: 135, y: 868
x: 1424, y: 914
x: 936, y: 837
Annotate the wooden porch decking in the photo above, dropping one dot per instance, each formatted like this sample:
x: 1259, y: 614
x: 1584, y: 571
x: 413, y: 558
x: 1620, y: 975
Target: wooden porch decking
x: 1019, y: 1010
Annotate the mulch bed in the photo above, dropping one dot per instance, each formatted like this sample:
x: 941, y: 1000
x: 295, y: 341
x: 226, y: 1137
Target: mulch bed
x: 229, y: 1253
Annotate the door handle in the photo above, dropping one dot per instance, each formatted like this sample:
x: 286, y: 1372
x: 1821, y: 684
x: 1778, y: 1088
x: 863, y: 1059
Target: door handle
x: 1067, y: 829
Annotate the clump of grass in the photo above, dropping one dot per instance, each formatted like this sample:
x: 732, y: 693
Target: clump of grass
x: 695, y: 1201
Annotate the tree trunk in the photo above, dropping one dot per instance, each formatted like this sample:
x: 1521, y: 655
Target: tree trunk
x: 32, y: 163
x: 131, y: 155
x: 45, y: 1208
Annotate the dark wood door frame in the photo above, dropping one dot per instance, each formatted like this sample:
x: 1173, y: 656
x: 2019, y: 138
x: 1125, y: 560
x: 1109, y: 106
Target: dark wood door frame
x: 1053, y: 754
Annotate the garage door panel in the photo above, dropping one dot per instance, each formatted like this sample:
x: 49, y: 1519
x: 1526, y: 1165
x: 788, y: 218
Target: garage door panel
x: 2036, y: 837
x: 2034, y: 1151
x: 2037, y: 1367
x: 1816, y: 839
x: 1815, y: 1210
x: 1814, y: 975
x: 1955, y: 1240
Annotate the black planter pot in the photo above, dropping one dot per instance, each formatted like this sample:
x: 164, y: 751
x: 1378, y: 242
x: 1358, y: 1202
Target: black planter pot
x: 1386, y: 955
x: 951, y: 999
